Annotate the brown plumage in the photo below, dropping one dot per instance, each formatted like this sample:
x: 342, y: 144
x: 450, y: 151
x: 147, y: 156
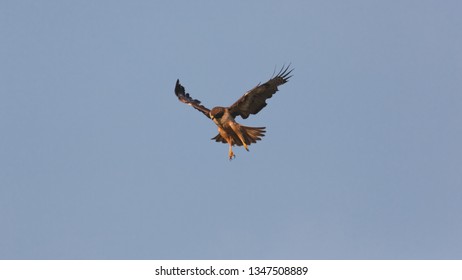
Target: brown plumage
x: 252, y: 102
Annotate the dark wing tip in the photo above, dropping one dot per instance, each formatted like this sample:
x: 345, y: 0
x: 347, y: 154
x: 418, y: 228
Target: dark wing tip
x: 284, y: 73
x: 179, y: 89
x: 182, y: 95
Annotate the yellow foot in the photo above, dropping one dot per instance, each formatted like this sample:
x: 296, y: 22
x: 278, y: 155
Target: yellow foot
x: 231, y: 155
x: 246, y: 147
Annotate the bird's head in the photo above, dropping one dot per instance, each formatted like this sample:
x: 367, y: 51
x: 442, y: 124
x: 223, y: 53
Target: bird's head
x: 217, y: 113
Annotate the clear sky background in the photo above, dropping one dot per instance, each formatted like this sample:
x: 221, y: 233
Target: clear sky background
x: 362, y: 158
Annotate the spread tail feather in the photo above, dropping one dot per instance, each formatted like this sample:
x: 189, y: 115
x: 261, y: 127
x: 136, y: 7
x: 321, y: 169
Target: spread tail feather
x: 250, y: 135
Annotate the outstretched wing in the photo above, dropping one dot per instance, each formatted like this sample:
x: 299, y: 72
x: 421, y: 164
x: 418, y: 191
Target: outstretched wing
x: 255, y: 99
x: 186, y: 98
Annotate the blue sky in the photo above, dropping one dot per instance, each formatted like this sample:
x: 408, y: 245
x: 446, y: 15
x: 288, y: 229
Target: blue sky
x: 362, y: 158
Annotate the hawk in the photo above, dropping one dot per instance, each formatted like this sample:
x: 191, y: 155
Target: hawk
x: 229, y: 131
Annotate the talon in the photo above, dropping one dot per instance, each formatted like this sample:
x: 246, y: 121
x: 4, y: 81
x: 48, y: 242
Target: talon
x: 231, y: 155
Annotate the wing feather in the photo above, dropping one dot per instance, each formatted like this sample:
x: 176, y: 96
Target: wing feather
x: 255, y: 99
x: 187, y: 99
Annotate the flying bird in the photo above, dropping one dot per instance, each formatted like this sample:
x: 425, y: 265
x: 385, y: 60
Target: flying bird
x: 252, y: 102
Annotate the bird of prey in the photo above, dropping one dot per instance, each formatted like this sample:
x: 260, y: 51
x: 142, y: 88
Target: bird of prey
x: 229, y: 131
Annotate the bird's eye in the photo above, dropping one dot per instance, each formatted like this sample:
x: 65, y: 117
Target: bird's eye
x: 218, y: 115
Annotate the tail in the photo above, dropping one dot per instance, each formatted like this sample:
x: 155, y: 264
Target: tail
x: 250, y: 134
